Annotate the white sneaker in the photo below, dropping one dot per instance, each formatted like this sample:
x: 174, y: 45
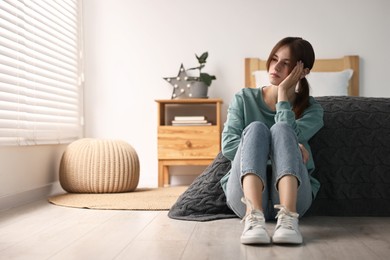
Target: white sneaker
x: 254, y: 230
x: 286, y: 230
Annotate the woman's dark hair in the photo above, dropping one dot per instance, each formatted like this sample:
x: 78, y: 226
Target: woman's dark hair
x: 300, y: 50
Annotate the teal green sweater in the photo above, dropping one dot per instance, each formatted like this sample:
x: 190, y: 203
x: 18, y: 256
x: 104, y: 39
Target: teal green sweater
x: 248, y: 106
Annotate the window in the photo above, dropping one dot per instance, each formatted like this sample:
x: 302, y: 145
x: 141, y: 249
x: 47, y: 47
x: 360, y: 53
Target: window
x: 40, y: 72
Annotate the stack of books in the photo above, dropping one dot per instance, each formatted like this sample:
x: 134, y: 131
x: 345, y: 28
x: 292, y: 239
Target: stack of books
x: 190, y: 120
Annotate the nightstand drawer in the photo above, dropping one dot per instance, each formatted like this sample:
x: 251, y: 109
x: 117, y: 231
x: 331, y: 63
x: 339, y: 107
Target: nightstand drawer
x: 188, y: 142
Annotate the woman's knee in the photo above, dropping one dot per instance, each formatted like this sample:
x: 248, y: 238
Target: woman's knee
x: 283, y: 130
x: 257, y: 128
x: 256, y: 124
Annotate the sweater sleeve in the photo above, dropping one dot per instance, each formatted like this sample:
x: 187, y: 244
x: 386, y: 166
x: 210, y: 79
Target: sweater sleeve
x: 233, y: 127
x: 306, y: 126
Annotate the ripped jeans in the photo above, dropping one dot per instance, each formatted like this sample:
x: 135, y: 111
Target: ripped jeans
x: 258, y: 145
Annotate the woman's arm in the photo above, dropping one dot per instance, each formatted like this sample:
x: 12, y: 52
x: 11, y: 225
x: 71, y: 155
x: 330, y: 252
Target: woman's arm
x: 233, y: 127
x: 305, y: 127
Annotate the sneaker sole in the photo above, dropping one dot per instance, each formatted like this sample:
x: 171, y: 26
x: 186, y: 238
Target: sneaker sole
x: 287, y: 240
x: 254, y: 240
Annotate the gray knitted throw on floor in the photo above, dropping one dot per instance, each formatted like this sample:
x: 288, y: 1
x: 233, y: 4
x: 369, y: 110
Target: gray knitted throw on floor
x: 205, y: 200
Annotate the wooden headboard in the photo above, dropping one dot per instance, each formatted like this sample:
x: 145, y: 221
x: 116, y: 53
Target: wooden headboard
x: 324, y: 65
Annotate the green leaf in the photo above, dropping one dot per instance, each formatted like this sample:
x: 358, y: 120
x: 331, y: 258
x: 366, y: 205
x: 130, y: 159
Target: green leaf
x: 206, y: 78
x: 202, y: 59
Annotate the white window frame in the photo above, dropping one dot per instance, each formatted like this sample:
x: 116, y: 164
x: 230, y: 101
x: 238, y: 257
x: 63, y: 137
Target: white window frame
x: 41, y: 72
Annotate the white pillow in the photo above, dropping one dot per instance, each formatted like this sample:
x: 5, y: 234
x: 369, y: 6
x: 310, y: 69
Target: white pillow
x: 321, y: 83
x: 329, y: 83
x: 261, y: 78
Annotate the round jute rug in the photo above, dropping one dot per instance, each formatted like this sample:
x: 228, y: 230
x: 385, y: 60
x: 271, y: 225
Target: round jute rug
x: 140, y: 199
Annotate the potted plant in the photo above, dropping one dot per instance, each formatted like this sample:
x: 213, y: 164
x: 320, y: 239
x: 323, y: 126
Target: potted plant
x: 199, y: 88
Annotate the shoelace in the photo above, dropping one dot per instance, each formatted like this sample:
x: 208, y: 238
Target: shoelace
x: 254, y: 218
x: 286, y: 217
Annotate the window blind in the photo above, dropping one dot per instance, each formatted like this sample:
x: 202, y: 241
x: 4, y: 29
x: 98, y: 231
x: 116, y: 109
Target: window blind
x: 40, y: 72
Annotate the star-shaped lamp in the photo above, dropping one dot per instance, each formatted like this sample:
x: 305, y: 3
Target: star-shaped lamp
x: 181, y: 84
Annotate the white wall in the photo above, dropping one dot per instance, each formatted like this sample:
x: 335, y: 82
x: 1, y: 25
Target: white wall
x: 28, y: 173
x: 130, y: 45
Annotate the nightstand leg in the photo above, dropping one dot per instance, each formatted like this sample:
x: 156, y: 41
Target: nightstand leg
x: 160, y: 174
x: 165, y: 175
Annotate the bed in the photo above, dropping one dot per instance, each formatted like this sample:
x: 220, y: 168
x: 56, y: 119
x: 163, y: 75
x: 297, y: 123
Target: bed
x: 351, y: 152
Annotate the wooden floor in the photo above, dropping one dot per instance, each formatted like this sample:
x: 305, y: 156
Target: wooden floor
x: 44, y: 231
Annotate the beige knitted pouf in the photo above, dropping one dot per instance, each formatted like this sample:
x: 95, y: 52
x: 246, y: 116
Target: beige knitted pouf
x: 99, y: 166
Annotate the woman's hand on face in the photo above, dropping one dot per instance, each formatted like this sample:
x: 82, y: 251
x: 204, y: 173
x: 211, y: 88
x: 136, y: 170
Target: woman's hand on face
x: 292, y: 79
x: 305, y: 153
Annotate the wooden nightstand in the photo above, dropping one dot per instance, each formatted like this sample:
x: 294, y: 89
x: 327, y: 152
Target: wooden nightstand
x: 188, y: 144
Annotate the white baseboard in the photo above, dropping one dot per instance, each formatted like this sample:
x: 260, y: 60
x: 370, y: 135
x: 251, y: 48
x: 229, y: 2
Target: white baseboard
x: 22, y: 198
